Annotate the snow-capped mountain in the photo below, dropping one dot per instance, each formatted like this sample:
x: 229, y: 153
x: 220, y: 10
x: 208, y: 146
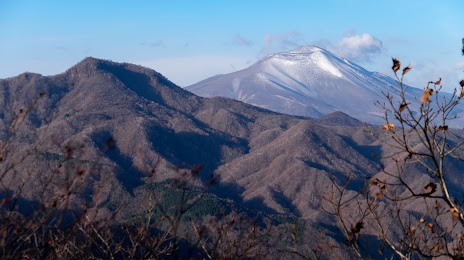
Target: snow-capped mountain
x: 307, y: 81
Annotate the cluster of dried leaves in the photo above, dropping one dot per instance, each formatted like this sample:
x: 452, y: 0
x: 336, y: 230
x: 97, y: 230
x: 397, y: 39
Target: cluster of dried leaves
x: 407, y: 221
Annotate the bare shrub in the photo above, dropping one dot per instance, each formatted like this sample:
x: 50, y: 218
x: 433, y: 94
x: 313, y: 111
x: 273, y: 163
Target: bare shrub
x: 408, y: 210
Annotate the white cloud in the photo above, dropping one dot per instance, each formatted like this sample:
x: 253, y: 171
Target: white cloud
x: 358, y: 47
x: 459, y: 65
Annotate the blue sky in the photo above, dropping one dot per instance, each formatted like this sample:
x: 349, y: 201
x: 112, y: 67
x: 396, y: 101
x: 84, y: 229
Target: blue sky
x: 188, y: 41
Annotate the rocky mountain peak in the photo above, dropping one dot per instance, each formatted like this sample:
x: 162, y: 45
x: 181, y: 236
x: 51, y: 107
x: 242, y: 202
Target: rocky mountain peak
x: 85, y: 68
x: 339, y: 118
x: 306, y: 81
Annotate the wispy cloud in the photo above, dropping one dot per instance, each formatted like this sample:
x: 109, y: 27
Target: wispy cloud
x: 280, y: 42
x: 358, y: 47
x: 240, y: 40
x: 156, y: 44
x: 159, y: 43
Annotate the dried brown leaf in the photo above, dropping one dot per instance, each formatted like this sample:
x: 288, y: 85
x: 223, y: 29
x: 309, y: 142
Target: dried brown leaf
x: 443, y: 128
x: 405, y: 70
x: 455, y: 214
x: 384, y: 188
x: 396, y: 65
x: 357, y: 228
x: 389, y: 126
x: 403, y: 106
x: 425, y: 98
x: 430, y: 188
x: 430, y: 226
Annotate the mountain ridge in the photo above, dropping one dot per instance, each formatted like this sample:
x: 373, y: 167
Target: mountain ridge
x: 276, y: 162
x: 150, y: 119
x: 306, y: 81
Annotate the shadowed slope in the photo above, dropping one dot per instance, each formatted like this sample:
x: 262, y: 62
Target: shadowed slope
x: 277, y: 162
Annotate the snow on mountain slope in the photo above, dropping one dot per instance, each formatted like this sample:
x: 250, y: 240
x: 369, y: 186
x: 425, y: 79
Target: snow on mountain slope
x: 307, y: 81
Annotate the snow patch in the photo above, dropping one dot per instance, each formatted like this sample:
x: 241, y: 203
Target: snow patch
x: 305, y: 49
x: 322, y: 62
x: 379, y: 114
x: 261, y: 77
x: 286, y: 62
x: 244, y: 97
x: 288, y: 100
x: 235, y: 85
